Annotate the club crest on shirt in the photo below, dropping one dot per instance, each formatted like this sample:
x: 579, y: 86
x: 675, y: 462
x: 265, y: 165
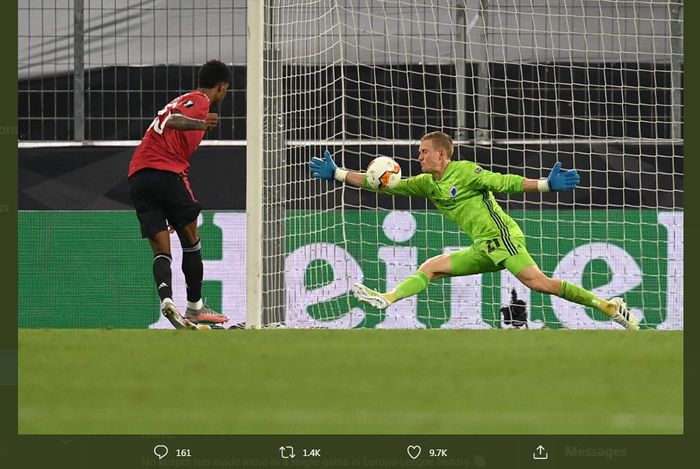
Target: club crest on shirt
x: 477, y: 170
x: 189, y: 103
x: 453, y: 192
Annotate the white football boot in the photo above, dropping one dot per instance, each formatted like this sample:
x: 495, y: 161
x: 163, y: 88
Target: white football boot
x: 170, y: 311
x: 369, y: 296
x: 623, y: 315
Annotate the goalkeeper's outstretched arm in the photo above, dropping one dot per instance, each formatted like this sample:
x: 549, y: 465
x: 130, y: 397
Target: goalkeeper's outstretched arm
x: 355, y: 179
x: 557, y: 181
x: 325, y: 168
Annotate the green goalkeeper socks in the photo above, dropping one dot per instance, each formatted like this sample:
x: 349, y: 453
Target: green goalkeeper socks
x: 419, y: 281
x: 413, y: 285
x: 572, y: 292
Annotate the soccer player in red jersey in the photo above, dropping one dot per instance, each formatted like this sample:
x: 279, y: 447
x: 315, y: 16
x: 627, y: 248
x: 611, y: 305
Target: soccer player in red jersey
x: 162, y: 195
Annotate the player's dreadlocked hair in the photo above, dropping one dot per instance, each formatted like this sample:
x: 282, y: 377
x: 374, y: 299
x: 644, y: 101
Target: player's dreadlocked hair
x: 212, y: 73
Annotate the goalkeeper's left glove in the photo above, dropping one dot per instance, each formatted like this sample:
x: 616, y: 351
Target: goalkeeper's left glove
x: 326, y: 168
x: 562, y: 181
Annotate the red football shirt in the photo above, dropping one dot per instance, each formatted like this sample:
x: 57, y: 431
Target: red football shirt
x: 169, y: 149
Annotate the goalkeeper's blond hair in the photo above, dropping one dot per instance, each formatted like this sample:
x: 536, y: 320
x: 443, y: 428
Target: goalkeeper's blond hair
x: 440, y: 141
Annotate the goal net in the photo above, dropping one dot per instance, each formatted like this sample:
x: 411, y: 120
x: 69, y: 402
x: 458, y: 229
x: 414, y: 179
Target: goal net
x: 519, y: 85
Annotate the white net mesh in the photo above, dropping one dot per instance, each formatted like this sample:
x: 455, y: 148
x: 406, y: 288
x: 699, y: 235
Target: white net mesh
x: 519, y: 85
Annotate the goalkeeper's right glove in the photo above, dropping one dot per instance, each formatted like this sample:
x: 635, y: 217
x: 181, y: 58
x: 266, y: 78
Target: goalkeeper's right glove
x: 325, y: 168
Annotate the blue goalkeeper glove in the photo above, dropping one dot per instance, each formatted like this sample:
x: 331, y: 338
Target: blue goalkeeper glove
x: 562, y: 181
x: 323, y: 168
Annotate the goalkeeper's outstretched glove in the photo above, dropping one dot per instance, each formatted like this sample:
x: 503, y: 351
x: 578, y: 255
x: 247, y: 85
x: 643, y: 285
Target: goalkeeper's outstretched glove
x: 562, y: 181
x: 323, y: 168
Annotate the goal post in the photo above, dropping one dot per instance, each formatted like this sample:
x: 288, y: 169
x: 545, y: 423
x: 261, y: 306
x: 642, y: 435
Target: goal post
x: 265, y: 174
x: 254, y: 162
x: 519, y: 85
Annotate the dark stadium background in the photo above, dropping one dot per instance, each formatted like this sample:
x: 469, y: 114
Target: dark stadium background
x: 121, y: 102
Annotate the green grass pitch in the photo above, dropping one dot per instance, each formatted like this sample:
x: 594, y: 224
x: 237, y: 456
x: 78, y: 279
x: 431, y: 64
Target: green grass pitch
x: 350, y: 381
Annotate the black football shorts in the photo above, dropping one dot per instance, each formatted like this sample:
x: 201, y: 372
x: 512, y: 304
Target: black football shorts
x: 162, y: 198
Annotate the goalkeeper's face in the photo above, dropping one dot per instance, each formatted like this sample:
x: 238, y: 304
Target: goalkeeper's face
x: 432, y: 160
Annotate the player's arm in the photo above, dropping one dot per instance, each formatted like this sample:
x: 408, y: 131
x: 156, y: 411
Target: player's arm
x: 354, y: 178
x: 557, y: 181
x: 325, y: 168
x: 191, y: 112
x: 509, y: 183
x: 179, y: 121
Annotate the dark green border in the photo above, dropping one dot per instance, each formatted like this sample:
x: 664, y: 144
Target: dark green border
x: 508, y: 452
x: 126, y: 452
x: 691, y: 335
x: 8, y: 230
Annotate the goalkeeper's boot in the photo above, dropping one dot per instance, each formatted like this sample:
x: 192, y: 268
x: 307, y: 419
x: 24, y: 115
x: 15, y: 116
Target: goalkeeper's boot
x: 205, y: 316
x: 170, y: 311
x: 623, y: 315
x: 369, y: 296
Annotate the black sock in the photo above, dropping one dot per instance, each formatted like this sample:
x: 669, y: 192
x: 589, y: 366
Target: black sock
x: 162, y: 275
x: 193, y: 269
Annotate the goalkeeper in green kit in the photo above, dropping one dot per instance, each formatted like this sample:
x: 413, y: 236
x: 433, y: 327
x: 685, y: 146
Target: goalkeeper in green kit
x: 462, y: 192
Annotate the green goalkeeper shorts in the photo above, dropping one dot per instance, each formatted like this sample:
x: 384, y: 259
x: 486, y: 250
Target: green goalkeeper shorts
x: 491, y: 255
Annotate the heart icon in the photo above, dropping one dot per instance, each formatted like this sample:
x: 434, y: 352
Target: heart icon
x: 413, y: 451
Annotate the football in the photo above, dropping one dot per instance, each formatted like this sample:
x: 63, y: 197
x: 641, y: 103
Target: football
x: 383, y: 173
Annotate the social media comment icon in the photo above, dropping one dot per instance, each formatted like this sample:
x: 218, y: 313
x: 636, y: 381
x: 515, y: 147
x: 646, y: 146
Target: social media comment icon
x: 160, y: 450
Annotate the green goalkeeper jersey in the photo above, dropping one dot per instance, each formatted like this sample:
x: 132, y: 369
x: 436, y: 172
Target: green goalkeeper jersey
x: 464, y: 195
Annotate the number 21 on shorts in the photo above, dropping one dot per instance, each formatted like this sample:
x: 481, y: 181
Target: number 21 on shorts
x: 492, y: 244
